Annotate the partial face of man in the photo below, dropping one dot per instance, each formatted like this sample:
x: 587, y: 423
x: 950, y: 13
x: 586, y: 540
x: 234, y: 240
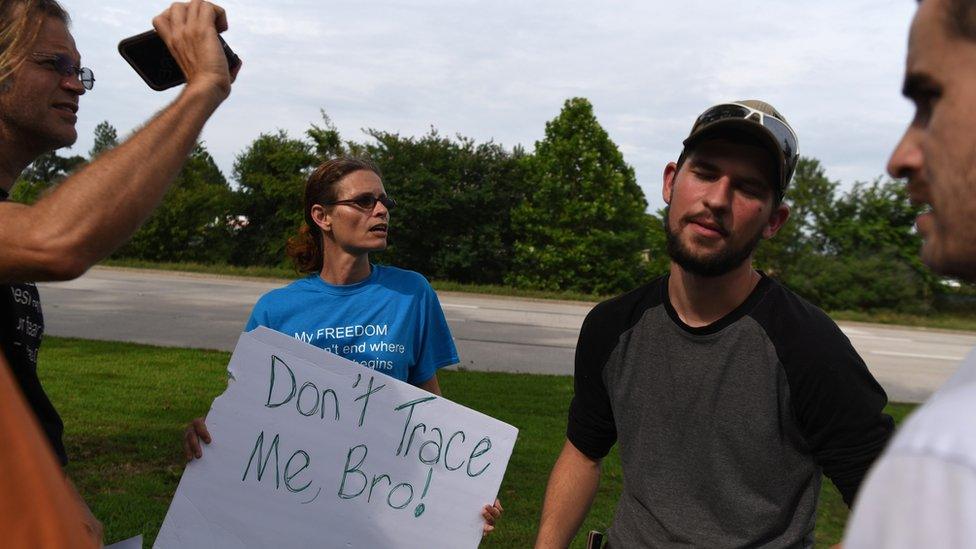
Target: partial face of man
x: 937, y: 154
x: 38, y: 105
x: 720, y: 205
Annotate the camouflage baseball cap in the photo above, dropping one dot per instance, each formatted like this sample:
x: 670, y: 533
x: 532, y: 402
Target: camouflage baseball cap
x: 760, y: 119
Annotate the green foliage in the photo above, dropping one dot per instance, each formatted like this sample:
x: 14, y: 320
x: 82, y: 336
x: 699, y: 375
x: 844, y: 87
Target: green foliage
x: 49, y: 169
x: 106, y: 138
x: 856, y: 282
x: 811, y: 199
x: 455, y: 200
x: 326, y: 139
x: 42, y: 175
x: 271, y: 177
x: 569, y: 217
x: 194, y: 221
x: 855, y: 251
x: 875, y: 217
x: 657, y: 258
x: 581, y: 226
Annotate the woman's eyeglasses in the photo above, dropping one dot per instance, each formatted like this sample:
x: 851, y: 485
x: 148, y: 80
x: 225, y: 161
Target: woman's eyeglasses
x: 365, y: 202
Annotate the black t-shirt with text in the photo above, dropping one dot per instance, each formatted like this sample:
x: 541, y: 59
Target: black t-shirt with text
x: 21, y: 327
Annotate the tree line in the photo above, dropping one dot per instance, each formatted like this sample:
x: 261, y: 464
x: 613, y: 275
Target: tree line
x: 567, y: 216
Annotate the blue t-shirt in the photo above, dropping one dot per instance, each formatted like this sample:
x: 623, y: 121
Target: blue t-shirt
x: 391, y: 322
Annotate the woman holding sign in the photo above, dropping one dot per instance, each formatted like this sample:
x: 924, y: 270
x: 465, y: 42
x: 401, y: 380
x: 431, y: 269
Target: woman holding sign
x: 385, y: 318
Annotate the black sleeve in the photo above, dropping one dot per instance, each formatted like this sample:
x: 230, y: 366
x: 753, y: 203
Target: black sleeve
x: 837, y: 402
x: 591, y: 426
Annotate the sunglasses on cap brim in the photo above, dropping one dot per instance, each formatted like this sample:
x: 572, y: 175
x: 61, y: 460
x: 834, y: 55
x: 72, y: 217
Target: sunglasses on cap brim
x: 784, y: 135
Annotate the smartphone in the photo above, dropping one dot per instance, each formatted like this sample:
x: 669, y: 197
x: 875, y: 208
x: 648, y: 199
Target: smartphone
x: 149, y: 56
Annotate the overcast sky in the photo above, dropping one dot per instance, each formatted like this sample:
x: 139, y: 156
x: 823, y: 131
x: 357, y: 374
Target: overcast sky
x: 500, y: 69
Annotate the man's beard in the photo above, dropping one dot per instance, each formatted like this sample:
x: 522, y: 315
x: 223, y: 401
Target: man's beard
x: 712, y: 265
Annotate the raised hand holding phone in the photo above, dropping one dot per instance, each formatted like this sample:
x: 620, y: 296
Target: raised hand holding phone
x: 151, y: 59
x: 185, y: 47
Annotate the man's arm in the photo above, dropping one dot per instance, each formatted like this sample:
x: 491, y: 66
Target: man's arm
x: 841, y: 410
x: 96, y: 210
x: 569, y: 495
x: 837, y: 403
x: 590, y: 430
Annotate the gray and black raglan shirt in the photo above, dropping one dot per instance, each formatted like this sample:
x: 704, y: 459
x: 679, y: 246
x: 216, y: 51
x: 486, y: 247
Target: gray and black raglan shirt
x: 723, y: 430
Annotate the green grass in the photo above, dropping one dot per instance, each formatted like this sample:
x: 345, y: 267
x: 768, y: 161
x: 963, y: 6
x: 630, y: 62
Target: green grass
x: 939, y: 320
x: 125, y: 407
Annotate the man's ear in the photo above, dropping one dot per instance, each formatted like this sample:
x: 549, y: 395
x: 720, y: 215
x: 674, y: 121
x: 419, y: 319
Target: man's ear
x: 670, y: 173
x: 776, y: 220
x: 322, y: 217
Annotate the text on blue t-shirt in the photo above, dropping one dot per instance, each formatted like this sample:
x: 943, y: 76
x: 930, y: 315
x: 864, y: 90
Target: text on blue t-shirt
x: 391, y: 322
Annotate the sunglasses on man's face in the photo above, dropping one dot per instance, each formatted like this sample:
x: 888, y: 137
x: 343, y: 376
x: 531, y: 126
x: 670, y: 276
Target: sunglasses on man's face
x: 65, y: 66
x: 365, y: 202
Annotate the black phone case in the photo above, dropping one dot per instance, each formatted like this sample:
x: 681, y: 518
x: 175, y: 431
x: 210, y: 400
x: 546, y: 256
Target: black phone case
x: 148, y: 55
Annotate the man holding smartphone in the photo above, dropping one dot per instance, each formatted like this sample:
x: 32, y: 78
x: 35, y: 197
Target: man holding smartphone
x: 96, y: 210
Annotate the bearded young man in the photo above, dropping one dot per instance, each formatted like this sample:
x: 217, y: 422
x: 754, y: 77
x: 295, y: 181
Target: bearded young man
x: 922, y: 492
x: 84, y: 219
x: 727, y: 393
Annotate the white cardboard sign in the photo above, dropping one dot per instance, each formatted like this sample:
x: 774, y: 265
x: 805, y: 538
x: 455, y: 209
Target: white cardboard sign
x: 310, y: 449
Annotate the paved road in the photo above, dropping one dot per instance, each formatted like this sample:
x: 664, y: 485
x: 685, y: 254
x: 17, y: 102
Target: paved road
x: 492, y: 334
